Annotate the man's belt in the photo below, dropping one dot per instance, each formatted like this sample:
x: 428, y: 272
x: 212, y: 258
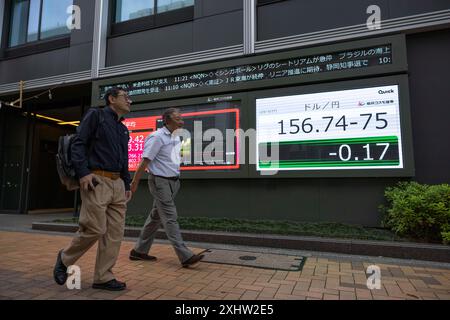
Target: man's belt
x: 168, y: 178
x: 107, y: 174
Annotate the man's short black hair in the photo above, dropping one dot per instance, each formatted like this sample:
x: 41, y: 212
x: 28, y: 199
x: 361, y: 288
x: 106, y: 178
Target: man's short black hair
x: 114, y: 91
x: 167, y: 115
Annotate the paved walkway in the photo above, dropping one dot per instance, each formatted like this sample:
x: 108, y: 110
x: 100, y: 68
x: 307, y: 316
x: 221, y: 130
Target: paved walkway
x: 27, y: 259
x: 24, y: 222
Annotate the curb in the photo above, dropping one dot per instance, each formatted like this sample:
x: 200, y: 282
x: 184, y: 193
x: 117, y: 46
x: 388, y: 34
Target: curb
x: 401, y: 250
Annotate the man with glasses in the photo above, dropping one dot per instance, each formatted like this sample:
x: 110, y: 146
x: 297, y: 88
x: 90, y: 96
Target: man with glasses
x: 99, y: 154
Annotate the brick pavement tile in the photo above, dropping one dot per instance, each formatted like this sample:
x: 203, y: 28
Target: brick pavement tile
x: 362, y: 294
x: 214, y: 285
x: 264, y: 278
x: 286, y: 289
x: 214, y: 294
x: 232, y: 296
x: 324, y: 291
x: 234, y: 290
x: 280, y: 282
x: 46, y: 296
x: 249, y: 287
x: 346, y: 289
x: 105, y: 295
x: 406, y: 286
x: 248, y: 280
x: 377, y: 297
x: 268, y: 284
x: 344, y: 295
x: 330, y: 297
x: 125, y: 297
x: 303, y: 285
x: 77, y: 297
x: 308, y: 272
x: 10, y: 294
x: 318, y: 284
x: 347, y: 279
x: 268, y: 292
x: 136, y: 294
x: 394, y: 291
x: 249, y: 295
x: 192, y: 296
x: 194, y: 288
x: 232, y: 282
x: 332, y: 283
x: 320, y: 271
x: 443, y: 296
x: 308, y: 294
x: 25, y: 296
x: 279, y: 296
x: 430, y: 281
x: 154, y: 294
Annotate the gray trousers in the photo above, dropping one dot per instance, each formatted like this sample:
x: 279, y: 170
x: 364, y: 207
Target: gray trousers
x: 163, y: 212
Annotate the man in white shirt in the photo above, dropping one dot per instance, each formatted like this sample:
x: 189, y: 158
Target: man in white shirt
x: 161, y: 157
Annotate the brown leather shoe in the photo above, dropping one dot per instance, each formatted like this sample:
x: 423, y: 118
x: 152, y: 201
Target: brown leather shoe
x: 193, y: 260
x: 134, y: 255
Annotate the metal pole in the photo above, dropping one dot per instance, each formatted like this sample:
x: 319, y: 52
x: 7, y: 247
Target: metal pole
x: 249, y: 26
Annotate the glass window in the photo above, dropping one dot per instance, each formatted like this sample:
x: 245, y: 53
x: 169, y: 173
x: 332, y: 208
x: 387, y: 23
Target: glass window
x: 133, y: 9
x: 33, y: 20
x: 167, y: 5
x: 54, y: 18
x: 19, y: 15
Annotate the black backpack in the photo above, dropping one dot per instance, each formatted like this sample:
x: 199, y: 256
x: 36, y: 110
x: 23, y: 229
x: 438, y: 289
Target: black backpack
x: 64, y: 165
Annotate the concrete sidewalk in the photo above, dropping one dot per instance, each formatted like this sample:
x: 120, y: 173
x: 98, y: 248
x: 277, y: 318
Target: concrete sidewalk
x: 24, y: 222
x: 27, y: 260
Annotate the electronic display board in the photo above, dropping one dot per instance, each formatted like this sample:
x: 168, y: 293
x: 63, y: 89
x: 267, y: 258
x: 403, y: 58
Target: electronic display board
x: 338, y: 61
x: 335, y: 130
x: 219, y: 117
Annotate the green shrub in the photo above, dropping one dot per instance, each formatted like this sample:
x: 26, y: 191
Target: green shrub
x: 419, y: 211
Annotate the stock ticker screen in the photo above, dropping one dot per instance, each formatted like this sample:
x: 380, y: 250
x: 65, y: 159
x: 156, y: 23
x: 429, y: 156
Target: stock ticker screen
x: 199, y: 150
x: 336, y: 130
x: 300, y: 66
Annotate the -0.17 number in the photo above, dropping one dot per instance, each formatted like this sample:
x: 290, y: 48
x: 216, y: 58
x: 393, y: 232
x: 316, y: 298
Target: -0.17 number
x: 345, y: 152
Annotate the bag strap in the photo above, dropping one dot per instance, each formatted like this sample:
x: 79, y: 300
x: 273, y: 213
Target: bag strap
x: 101, y: 119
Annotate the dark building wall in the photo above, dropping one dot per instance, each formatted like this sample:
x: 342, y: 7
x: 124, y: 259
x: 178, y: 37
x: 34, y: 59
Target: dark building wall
x: 216, y: 24
x: 353, y: 201
x: 12, y: 158
x: 292, y: 17
x: 429, y: 77
x: 75, y: 58
x: 401, y: 8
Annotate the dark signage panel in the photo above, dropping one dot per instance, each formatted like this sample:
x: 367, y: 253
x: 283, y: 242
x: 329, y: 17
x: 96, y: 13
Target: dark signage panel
x: 277, y: 69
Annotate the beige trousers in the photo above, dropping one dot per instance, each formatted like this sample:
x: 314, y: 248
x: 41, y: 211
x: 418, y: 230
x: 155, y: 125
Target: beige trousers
x: 102, y: 219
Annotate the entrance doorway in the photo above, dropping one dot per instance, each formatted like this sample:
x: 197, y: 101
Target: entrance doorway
x: 46, y: 193
x: 29, y: 182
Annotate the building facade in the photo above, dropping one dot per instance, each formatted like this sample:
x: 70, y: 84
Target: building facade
x: 333, y: 101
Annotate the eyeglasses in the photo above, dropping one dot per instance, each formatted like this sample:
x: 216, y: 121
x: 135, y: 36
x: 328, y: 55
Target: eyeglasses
x: 126, y: 96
